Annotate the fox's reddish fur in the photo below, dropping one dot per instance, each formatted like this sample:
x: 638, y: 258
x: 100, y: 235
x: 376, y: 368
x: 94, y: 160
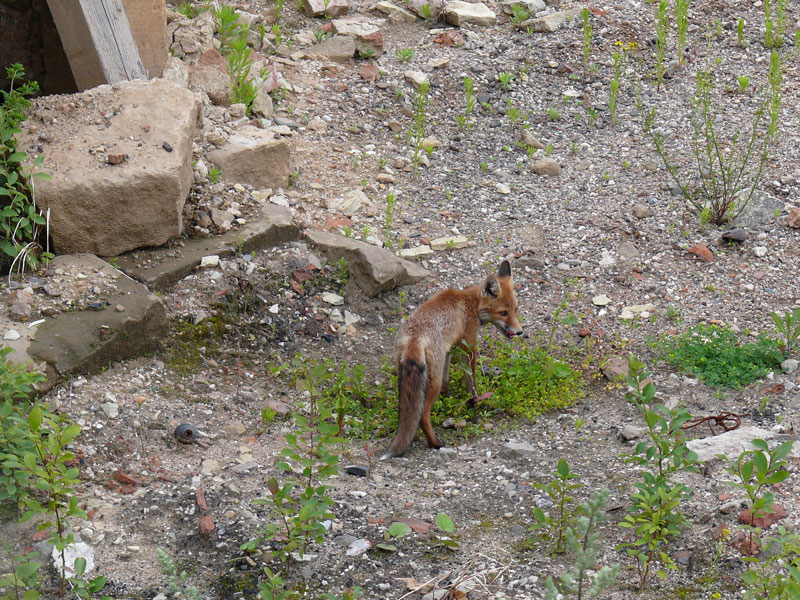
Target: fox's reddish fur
x: 448, y: 319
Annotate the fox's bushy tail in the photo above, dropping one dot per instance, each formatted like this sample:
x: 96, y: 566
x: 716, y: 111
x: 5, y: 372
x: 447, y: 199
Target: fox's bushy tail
x: 412, y: 380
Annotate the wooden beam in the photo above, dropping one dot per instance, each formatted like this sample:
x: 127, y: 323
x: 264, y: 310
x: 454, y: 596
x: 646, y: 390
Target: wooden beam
x: 98, y: 41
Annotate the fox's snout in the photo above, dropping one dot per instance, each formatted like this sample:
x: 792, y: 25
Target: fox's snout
x: 510, y: 332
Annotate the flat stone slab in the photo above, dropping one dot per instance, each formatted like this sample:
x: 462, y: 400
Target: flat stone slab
x: 373, y: 269
x: 731, y: 443
x: 551, y: 22
x: 159, y: 268
x: 128, y: 322
x: 458, y: 13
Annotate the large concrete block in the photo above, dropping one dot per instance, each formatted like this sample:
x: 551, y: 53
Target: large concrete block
x: 120, y: 158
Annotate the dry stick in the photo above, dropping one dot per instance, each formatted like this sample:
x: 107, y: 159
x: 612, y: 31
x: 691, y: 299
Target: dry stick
x: 432, y: 581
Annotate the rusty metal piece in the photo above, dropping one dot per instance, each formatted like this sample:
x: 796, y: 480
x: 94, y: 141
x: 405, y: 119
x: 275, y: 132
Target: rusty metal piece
x: 727, y: 420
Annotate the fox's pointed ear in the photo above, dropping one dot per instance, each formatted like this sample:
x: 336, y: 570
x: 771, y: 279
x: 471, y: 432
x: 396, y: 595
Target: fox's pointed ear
x: 491, y: 287
x: 504, y: 270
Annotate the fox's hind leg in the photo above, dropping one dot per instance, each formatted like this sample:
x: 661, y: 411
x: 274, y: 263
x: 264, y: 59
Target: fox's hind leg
x: 431, y: 393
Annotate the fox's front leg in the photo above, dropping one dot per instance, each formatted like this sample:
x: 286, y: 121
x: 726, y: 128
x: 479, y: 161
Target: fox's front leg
x: 472, y: 391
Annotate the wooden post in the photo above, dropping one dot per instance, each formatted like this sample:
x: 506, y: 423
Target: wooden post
x: 98, y: 41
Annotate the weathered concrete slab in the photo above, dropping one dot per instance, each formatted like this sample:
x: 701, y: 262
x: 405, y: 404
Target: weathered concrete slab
x: 159, y: 268
x: 127, y: 322
x: 373, y: 269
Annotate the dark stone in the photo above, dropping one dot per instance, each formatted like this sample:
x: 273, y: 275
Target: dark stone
x: 357, y: 470
x: 734, y: 235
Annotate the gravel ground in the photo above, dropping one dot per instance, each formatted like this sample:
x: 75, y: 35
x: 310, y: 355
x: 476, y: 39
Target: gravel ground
x: 610, y: 224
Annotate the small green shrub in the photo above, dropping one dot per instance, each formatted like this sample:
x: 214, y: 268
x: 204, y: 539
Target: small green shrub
x: 176, y: 578
x: 788, y: 327
x: 531, y: 381
x: 20, y: 219
x: 16, y: 384
x: 583, y: 542
x: 553, y: 527
x: 243, y: 86
x: 226, y: 22
x: 715, y: 355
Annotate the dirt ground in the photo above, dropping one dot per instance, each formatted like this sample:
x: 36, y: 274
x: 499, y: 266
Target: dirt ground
x: 609, y: 224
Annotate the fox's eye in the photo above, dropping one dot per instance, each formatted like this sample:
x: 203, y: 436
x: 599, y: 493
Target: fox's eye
x: 503, y: 313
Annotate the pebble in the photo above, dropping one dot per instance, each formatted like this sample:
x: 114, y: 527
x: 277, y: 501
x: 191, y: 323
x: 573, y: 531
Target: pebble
x: 331, y: 298
x: 760, y: 251
x: 11, y: 335
x: 209, y: 262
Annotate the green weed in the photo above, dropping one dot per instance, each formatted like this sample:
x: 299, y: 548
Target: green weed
x: 715, y: 355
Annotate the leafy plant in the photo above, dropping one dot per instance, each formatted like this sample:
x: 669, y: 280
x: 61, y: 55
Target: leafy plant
x: 445, y: 524
x: 405, y: 54
x: 519, y: 13
x: 243, y: 87
x: 582, y: 540
x: 419, y: 126
x: 554, y: 526
x: 469, y: 93
x: 788, y: 327
x: 586, y: 16
x: 740, y: 33
x: 715, y: 355
x: 654, y: 517
x: 46, y: 460
x: 754, y: 471
x: 774, y: 22
x: 682, y: 24
x: 176, y: 579
x: 553, y: 113
x: 226, y: 23
x: 662, y: 29
x: 728, y: 170
x: 20, y: 219
x: 213, y: 174
x: 505, y: 78
x: 301, y: 504
x: 391, y: 202
x: 397, y: 530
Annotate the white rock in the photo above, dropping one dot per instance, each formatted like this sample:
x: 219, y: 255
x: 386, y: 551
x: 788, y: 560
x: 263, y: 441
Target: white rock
x: 416, y: 78
x: 351, y: 318
x: 449, y: 242
x: 331, y: 298
x: 209, y: 262
x: 502, y: 188
x: 350, y: 203
x: 760, y: 251
x: 458, y: 13
x: 607, y: 260
x: 274, y: 309
x: 730, y: 443
x: 12, y: 335
x: 111, y: 409
x: 72, y: 552
x: 423, y: 250
x: 601, y: 300
x: 629, y: 312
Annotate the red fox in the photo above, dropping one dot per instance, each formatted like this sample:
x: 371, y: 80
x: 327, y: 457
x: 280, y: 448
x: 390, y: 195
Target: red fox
x: 450, y: 318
